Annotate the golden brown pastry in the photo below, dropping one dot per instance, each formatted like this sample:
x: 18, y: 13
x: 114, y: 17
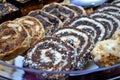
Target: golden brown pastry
x: 116, y: 35
x: 14, y: 40
x: 33, y: 26
x: 106, y: 53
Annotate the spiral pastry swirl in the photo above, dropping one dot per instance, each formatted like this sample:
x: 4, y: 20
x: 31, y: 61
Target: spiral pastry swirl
x: 14, y: 40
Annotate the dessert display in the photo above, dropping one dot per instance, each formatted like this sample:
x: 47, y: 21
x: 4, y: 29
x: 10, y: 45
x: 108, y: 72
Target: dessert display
x: 59, y: 37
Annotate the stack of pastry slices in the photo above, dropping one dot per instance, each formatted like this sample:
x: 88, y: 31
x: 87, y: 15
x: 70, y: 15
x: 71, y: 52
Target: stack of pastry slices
x: 70, y: 35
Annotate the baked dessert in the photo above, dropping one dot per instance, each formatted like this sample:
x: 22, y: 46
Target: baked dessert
x: 109, y: 8
x: 79, y: 40
x: 59, y: 11
x: 77, y: 9
x: 53, y: 22
x: 116, y: 35
x: 8, y: 12
x: 111, y: 21
x: 116, y: 2
x: 106, y: 53
x: 27, y: 5
x: 14, y: 40
x: 33, y: 26
x: 97, y: 26
x: 50, y: 54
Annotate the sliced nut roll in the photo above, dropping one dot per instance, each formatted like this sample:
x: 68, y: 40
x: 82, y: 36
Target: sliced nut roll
x: 98, y: 27
x: 53, y: 22
x: 115, y: 22
x: 61, y: 11
x: 33, y: 26
x: 50, y: 54
x: 14, y: 40
x: 79, y: 40
x: 79, y: 10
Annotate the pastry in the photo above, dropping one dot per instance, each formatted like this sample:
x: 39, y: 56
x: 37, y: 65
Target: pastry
x: 53, y: 22
x: 79, y: 10
x: 106, y: 53
x: 116, y: 2
x: 116, y: 35
x: 77, y: 39
x: 61, y: 11
x: 112, y: 22
x: 8, y: 12
x: 26, y: 6
x: 14, y: 40
x: 98, y: 27
x: 108, y: 8
x: 33, y: 26
x: 50, y: 54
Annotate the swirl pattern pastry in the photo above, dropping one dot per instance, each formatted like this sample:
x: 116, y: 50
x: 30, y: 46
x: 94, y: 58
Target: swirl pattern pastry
x: 113, y: 21
x: 98, y: 27
x: 50, y: 54
x: 109, y: 8
x: 33, y: 26
x: 14, y: 40
x: 77, y: 9
x: 50, y: 22
x: 62, y: 11
x: 116, y: 2
x: 79, y: 40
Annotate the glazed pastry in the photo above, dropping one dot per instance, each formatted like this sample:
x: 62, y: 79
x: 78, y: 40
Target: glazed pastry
x: 50, y: 54
x: 14, y: 40
x: 33, y: 26
x: 77, y: 39
x: 112, y: 22
x: 7, y: 11
x: 106, y: 53
x: 53, y: 7
x: 77, y: 9
x: 100, y: 29
x: 53, y: 22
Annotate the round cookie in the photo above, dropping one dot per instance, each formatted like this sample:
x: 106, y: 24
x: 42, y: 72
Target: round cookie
x: 14, y: 40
